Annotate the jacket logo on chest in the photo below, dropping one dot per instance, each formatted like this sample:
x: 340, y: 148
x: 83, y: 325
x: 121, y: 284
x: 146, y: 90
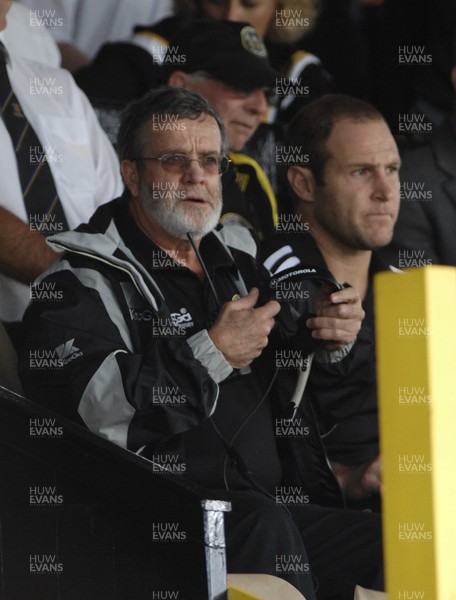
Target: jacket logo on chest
x: 242, y: 180
x: 182, y: 319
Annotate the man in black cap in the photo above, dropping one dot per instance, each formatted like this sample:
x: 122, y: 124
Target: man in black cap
x: 236, y: 81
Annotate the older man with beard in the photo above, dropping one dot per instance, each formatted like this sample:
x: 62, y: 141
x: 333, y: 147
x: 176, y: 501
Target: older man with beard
x: 147, y: 348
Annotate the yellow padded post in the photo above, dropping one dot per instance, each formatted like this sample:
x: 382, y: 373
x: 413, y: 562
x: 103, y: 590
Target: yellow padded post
x: 416, y: 364
x: 235, y: 593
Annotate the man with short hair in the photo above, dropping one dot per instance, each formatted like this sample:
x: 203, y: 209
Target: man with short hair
x: 160, y: 342
x: 347, y: 194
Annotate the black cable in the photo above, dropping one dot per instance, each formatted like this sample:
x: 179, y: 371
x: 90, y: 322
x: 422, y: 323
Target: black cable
x: 232, y: 453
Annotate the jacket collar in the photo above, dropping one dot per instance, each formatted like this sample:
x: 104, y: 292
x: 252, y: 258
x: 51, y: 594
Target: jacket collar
x: 100, y: 240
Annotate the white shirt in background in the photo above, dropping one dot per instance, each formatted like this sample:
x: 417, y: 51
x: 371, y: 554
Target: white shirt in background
x: 81, y: 158
x: 87, y: 24
x: 25, y: 37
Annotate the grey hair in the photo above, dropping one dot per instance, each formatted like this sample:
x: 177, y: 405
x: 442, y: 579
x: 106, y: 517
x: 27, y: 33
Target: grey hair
x: 164, y: 101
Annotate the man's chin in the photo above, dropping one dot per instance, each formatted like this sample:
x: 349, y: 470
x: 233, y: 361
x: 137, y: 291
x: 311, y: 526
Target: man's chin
x: 381, y: 241
x: 203, y: 229
x: 197, y: 228
x: 238, y: 143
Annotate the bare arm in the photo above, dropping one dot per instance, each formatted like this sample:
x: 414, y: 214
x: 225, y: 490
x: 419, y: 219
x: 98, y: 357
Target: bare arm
x: 24, y: 253
x: 72, y: 58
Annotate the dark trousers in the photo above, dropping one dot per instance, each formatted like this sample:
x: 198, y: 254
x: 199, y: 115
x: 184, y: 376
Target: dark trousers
x: 323, y: 552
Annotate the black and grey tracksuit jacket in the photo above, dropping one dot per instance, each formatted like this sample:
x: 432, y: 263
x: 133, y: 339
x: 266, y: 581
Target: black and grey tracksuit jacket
x: 116, y: 338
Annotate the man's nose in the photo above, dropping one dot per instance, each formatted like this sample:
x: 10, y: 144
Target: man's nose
x: 234, y: 12
x: 385, y: 186
x: 256, y: 101
x: 194, y: 172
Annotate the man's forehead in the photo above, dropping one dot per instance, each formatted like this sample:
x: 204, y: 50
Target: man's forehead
x: 201, y: 121
x: 359, y: 127
x: 361, y: 138
x: 171, y: 129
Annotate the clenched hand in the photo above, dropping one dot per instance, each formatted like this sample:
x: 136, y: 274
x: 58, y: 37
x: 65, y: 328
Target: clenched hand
x: 338, y: 320
x: 241, y: 331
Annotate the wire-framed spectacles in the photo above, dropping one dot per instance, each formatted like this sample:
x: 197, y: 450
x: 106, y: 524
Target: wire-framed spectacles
x: 212, y: 164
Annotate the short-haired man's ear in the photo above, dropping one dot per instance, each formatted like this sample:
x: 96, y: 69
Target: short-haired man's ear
x: 178, y: 79
x: 302, y: 182
x: 130, y: 174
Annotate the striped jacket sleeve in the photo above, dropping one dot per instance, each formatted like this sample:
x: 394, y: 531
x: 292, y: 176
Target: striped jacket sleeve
x: 80, y: 359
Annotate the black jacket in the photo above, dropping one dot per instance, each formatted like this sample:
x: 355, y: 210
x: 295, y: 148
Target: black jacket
x: 425, y: 232
x: 109, y: 344
x: 343, y: 395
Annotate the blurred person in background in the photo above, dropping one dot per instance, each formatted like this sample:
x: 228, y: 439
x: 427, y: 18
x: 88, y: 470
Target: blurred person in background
x: 425, y: 232
x: 81, y: 26
x: 56, y: 167
x: 236, y: 82
x: 412, y: 62
x: 340, y: 38
x: 282, y: 24
x: 301, y: 74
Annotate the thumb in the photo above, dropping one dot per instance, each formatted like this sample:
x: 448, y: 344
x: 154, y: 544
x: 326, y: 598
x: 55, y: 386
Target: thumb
x: 249, y: 301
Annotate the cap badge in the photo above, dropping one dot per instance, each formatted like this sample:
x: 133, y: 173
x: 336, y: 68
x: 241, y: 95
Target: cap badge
x: 252, y: 42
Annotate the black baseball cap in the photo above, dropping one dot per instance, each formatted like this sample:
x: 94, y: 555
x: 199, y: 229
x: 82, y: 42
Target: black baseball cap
x: 229, y: 51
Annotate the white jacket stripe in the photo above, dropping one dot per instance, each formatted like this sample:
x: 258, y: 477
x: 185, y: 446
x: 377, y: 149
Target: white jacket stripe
x: 107, y: 415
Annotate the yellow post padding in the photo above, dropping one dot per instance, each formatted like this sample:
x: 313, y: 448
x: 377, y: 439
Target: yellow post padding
x: 416, y: 366
x: 235, y: 593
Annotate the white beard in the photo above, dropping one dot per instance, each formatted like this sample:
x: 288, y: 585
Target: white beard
x: 177, y: 219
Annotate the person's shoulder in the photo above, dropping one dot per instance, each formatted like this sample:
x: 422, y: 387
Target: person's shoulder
x: 48, y: 90
x: 163, y: 29
x: 42, y: 72
x: 257, y: 182
x: 300, y: 59
x: 237, y: 237
x: 434, y: 156
x: 379, y: 263
x: 248, y: 165
x: 240, y: 160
